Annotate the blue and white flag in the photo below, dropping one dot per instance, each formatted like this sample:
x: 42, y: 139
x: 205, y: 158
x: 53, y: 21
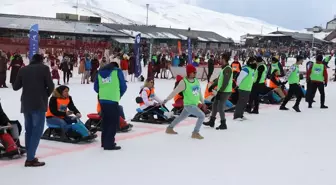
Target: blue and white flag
x: 33, y: 40
x: 137, y: 67
x: 189, y: 51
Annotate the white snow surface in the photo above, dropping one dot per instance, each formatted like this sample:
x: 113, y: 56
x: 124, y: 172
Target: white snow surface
x: 165, y: 13
x: 273, y: 147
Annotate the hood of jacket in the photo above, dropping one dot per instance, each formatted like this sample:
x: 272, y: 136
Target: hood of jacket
x: 57, y: 93
x: 107, y: 69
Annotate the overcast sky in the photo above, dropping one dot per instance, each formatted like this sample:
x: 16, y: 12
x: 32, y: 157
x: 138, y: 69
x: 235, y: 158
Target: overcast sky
x: 291, y: 14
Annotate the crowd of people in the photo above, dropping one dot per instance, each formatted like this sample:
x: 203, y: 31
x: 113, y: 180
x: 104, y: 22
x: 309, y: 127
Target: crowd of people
x: 241, y: 85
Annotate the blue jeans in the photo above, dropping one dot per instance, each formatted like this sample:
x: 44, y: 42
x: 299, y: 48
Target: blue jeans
x: 187, y: 111
x: 34, y: 125
x: 67, y: 124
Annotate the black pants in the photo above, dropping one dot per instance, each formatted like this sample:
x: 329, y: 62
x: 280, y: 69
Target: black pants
x: 66, y: 76
x: 294, y: 89
x: 110, y: 122
x: 3, y: 76
x: 210, y: 72
x: 314, y: 87
x: 257, y: 90
x: 308, y: 92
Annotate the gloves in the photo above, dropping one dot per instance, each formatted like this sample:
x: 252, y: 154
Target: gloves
x: 78, y: 115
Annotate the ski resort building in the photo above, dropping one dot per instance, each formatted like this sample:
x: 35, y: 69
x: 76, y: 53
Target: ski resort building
x: 74, y: 32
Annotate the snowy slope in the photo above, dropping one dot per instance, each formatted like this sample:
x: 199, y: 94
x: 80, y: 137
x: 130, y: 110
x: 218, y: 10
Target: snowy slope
x: 167, y: 13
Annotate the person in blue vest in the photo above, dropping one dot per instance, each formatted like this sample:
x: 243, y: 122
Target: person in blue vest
x: 110, y: 86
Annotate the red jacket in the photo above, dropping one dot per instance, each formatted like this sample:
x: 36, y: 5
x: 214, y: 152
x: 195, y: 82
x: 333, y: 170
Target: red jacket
x: 325, y: 73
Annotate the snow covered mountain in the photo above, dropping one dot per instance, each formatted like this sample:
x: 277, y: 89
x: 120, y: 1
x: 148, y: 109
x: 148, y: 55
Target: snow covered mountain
x: 166, y: 13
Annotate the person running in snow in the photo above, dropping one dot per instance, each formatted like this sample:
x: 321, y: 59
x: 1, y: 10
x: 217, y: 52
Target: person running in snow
x: 317, y: 75
x: 110, y: 86
x: 192, y: 95
x: 293, y: 78
x: 224, y: 86
x: 244, y: 82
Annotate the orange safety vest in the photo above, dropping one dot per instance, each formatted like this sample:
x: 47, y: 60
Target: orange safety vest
x: 62, y: 106
x: 150, y: 95
x: 235, y: 67
x: 98, y: 107
x: 271, y: 84
x: 178, y: 96
x: 207, y: 93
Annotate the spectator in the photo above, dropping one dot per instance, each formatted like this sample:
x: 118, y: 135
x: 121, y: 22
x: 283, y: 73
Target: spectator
x: 37, y: 85
x: 3, y: 69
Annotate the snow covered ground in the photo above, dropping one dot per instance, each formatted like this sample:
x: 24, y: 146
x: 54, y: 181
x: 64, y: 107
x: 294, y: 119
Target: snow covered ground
x: 274, y: 148
x: 165, y: 13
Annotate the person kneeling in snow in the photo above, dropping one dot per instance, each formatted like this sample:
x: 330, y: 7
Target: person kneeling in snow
x: 151, y: 103
x: 9, y: 136
x: 58, y: 113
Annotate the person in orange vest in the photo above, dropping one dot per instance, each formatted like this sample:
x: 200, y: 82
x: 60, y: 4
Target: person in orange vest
x: 60, y: 109
x: 236, y: 67
x: 275, y: 83
x: 151, y: 103
x: 123, y: 125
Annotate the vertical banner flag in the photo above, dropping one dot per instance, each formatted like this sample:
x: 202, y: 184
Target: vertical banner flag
x: 33, y: 40
x: 137, y: 67
x: 189, y: 51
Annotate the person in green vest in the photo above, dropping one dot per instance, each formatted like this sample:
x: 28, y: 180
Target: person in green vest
x: 293, y: 78
x: 317, y: 75
x: 258, y: 86
x: 110, y: 86
x: 224, y: 87
x: 326, y: 60
x: 245, y: 83
x: 275, y: 64
x: 192, y: 96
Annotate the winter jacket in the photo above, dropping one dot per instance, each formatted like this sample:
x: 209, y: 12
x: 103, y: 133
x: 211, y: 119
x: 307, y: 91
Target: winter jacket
x: 94, y: 65
x: 88, y: 65
x: 3, y: 64
x: 53, y: 107
x: 3, y: 117
x: 105, y: 72
x: 37, y: 85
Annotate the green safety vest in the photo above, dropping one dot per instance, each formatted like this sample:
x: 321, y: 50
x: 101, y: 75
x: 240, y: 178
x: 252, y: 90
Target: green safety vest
x: 275, y: 66
x: 263, y: 75
x: 294, y: 77
x: 246, y: 84
x: 221, y: 78
x: 191, y: 94
x: 317, y: 72
x: 109, y: 88
x: 327, y: 59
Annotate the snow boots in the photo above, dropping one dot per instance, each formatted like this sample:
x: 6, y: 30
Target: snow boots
x: 211, y: 123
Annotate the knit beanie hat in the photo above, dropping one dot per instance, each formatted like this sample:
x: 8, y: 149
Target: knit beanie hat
x: 190, y: 69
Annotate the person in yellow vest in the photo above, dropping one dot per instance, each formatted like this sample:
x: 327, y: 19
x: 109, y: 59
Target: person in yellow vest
x: 245, y: 83
x: 224, y: 89
x: 60, y: 109
x: 192, y: 95
x: 317, y: 75
x: 293, y: 78
x: 258, y: 86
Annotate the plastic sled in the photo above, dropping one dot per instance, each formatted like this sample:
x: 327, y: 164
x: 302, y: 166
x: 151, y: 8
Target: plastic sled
x: 57, y: 133
x: 144, y: 117
x: 94, y: 123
